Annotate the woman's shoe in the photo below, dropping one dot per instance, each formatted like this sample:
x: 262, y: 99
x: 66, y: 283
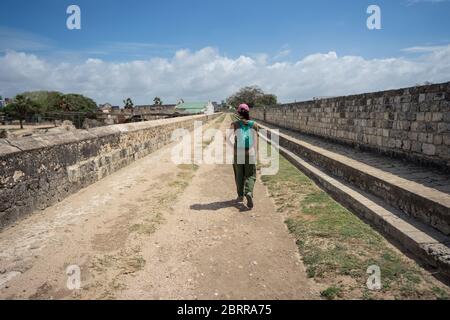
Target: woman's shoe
x: 249, y: 200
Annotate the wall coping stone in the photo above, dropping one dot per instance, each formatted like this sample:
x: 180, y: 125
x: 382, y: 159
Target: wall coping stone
x: 51, y: 139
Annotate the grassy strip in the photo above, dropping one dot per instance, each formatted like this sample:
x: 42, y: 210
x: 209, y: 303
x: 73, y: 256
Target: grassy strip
x: 220, y: 119
x: 215, y: 125
x: 337, y: 247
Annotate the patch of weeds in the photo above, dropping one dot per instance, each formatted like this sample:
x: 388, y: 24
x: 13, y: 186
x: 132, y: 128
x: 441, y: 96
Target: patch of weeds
x: 331, y: 293
x: 188, y: 166
x: 116, y: 285
x: 107, y: 295
x: 367, y: 295
x: 133, y: 264
x: 215, y: 125
x: 440, y: 293
x: 149, y: 226
x: 206, y: 143
x: 142, y: 228
x: 179, y: 184
x: 408, y: 291
x: 183, y: 177
x: 221, y: 118
x: 101, y: 264
x: 395, y: 272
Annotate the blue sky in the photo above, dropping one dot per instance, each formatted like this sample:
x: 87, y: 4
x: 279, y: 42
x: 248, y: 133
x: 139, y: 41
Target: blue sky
x: 181, y: 33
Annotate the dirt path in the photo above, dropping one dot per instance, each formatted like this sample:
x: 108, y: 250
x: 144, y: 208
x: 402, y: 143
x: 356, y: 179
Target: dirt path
x: 155, y: 230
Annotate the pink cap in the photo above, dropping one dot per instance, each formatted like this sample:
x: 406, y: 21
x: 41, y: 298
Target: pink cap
x: 243, y: 107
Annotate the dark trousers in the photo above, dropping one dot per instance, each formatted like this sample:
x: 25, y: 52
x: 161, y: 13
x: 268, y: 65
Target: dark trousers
x: 245, y: 177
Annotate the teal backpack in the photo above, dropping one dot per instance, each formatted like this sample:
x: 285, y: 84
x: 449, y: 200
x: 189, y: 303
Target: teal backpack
x: 245, y: 135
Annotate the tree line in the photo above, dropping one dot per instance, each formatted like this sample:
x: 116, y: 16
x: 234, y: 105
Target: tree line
x: 253, y: 96
x: 31, y: 104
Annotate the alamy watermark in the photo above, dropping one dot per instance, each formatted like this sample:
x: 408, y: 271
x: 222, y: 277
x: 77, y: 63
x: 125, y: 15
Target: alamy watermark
x: 374, y: 280
x: 73, y: 22
x: 374, y: 20
x: 192, y: 149
x: 74, y: 277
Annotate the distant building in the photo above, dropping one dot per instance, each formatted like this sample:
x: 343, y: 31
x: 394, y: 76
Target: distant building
x: 216, y: 106
x: 105, y: 108
x: 210, y: 108
x: 4, y: 102
x: 143, y: 107
x: 163, y: 108
x: 195, y: 108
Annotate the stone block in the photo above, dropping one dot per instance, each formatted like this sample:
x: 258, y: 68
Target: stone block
x: 446, y: 139
x: 437, y: 116
x: 443, y: 127
x: 443, y: 151
x: 414, y: 136
x: 429, y: 149
x: 406, y: 145
x: 416, y: 146
x: 437, y: 140
x: 420, y: 116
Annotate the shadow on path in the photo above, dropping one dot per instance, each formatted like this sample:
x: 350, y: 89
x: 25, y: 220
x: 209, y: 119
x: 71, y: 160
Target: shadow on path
x: 214, y: 206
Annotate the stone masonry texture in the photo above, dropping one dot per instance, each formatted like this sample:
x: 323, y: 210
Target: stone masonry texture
x: 38, y: 171
x: 410, y: 123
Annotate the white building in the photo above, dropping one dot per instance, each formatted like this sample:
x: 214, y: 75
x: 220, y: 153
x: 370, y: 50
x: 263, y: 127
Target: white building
x: 195, y: 108
x: 209, y: 108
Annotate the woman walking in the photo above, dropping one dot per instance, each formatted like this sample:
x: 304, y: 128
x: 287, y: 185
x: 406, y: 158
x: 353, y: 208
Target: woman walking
x: 245, y: 154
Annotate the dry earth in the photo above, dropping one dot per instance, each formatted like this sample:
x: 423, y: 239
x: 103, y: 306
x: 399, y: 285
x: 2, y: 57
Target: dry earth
x: 155, y: 230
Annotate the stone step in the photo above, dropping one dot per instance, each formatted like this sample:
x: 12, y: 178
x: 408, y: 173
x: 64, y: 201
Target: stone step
x: 417, y: 191
x: 425, y: 243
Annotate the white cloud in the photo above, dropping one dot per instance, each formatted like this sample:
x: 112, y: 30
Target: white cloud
x: 14, y: 39
x: 282, y: 54
x: 421, y: 49
x: 207, y: 74
x: 413, y: 2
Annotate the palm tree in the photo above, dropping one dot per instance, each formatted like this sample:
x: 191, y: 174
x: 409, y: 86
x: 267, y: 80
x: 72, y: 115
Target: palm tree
x: 157, y: 101
x: 128, y: 103
x: 21, y: 108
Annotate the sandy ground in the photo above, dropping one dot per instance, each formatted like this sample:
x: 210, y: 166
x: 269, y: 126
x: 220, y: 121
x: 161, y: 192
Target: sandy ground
x: 26, y: 127
x: 155, y: 230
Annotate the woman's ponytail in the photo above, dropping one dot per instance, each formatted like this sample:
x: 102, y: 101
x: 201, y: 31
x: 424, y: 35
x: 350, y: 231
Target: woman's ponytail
x: 244, y: 114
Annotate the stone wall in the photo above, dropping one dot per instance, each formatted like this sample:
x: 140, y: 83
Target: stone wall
x: 37, y: 171
x: 412, y: 123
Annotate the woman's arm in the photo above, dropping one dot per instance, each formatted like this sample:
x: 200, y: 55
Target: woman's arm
x: 256, y: 139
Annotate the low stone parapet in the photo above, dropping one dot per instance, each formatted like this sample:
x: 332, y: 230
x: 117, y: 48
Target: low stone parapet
x: 38, y: 171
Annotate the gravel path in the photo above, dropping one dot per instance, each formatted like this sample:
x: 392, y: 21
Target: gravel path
x: 155, y: 230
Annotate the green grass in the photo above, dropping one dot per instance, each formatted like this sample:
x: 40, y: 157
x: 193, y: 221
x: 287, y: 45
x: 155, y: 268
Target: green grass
x: 143, y: 228
x: 215, y: 125
x: 220, y: 119
x: 441, y: 294
x: 188, y: 166
x: 337, y: 246
x: 331, y: 293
